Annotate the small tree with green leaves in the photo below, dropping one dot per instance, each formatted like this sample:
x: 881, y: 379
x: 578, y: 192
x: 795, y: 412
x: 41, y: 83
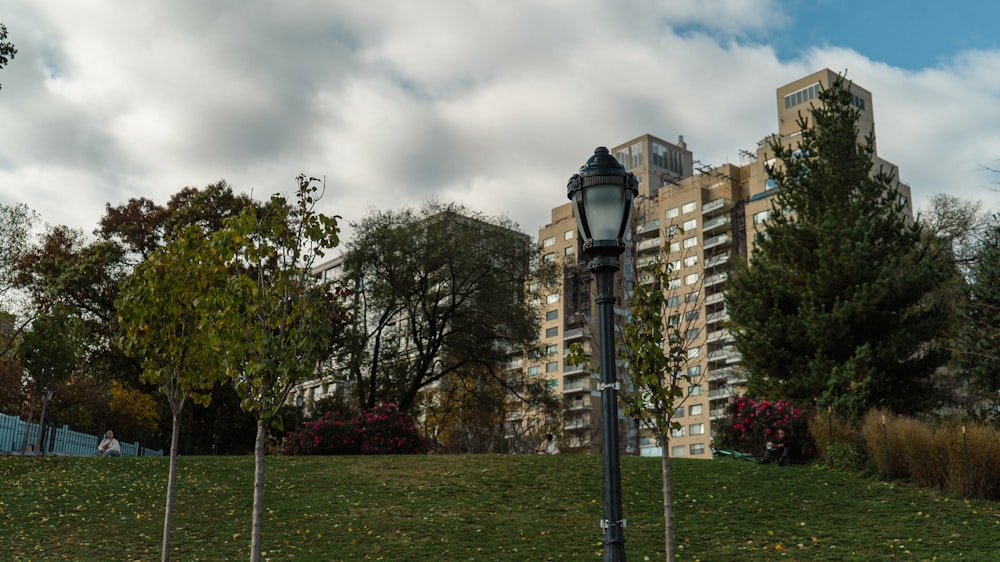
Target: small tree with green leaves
x: 655, y: 354
x: 274, y: 320
x: 7, y: 50
x: 164, y: 320
x: 654, y: 357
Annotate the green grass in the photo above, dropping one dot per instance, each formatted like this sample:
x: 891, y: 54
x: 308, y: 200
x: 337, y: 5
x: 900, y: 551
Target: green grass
x: 475, y: 508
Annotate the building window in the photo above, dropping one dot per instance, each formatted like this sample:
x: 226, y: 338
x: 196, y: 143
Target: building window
x: 697, y: 448
x: 694, y: 352
x: 568, y: 235
x: 551, y: 366
x: 770, y: 184
x: 674, y: 283
x: 801, y: 96
x: 675, y: 246
x: 534, y: 370
x: 690, y: 225
x: 692, y: 315
x: 690, y: 278
x: 679, y: 413
x: 690, y: 261
x: 694, y: 410
x: 549, y: 257
x: 672, y: 213
x: 673, y: 319
x: 568, y: 251
x: 675, y: 265
x: 551, y: 315
x: 552, y: 349
x: 689, y: 207
x: 696, y: 429
x: 552, y: 383
x: 694, y: 389
x: 553, y: 298
x: 690, y: 242
x: 759, y: 218
x: 551, y: 240
x: 858, y: 101
x: 694, y: 371
x: 678, y: 432
x: 551, y: 332
x: 677, y: 451
x: 692, y: 334
x: 630, y: 156
x: 534, y: 286
x: 674, y: 300
x: 691, y: 297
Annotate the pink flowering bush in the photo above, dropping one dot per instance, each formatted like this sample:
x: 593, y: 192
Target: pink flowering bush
x: 749, y: 424
x: 381, y: 430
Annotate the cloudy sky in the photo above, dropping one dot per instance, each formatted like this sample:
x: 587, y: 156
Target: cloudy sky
x: 491, y: 104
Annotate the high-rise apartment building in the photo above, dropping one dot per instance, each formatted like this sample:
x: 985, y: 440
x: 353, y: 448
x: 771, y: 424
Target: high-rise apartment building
x: 703, y: 219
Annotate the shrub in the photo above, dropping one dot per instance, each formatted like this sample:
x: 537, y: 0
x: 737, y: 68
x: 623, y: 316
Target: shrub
x: 935, y: 457
x: 750, y: 423
x: 380, y: 430
x: 827, y: 429
x: 846, y: 457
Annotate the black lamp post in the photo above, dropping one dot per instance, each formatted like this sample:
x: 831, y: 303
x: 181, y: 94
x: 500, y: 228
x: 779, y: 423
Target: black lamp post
x: 602, y: 195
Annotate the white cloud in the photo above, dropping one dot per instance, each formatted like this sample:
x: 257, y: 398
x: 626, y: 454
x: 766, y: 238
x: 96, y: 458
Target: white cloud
x: 491, y: 104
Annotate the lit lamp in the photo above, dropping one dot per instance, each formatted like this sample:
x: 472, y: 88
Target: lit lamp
x: 602, y: 195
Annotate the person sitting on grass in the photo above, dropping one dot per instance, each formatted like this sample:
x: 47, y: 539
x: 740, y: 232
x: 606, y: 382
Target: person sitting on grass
x: 109, y: 447
x: 549, y: 446
x: 780, y: 449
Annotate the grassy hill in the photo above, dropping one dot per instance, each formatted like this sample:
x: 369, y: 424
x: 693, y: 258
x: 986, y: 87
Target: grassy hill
x: 475, y: 508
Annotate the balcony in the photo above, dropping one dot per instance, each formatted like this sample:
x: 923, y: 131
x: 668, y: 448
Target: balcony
x: 578, y: 405
x: 715, y: 224
x: 715, y: 241
x: 714, y: 205
x: 651, y: 226
x: 717, y: 414
x: 712, y: 280
x: 720, y: 374
x: 576, y: 385
x: 716, y: 317
x: 717, y: 260
x: 719, y: 393
x: 715, y: 298
x: 718, y: 336
x: 651, y: 244
x: 724, y: 354
x: 572, y: 335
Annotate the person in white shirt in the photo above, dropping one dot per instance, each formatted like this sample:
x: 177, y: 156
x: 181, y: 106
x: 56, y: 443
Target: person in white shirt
x: 109, y: 447
x: 549, y: 446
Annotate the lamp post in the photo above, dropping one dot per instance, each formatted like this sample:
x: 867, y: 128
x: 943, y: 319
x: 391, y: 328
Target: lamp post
x: 602, y: 195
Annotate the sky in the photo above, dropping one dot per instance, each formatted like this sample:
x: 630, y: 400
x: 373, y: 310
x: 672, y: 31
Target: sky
x: 493, y: 105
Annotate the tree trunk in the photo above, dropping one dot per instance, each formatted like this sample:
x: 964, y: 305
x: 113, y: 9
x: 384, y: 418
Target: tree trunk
x: 27, y: 428
x: 668, y: 502
x: 41, y: 425
x: 258, y: 492
x: 168, y: 511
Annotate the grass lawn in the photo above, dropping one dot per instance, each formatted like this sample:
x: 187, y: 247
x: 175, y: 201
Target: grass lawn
x: 510, y: 507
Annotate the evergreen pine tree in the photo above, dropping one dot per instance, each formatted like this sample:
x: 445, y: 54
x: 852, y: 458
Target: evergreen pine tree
x: 980, y: 343
x: 840, y: 303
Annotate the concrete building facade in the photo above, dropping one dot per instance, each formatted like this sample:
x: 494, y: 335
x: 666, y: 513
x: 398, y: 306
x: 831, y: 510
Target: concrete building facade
x: 703, y: 219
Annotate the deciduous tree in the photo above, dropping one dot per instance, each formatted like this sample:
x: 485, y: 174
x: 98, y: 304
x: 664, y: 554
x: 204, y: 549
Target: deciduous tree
x: 436, y: 292
x: 165, y: 317
x: 7, y: 50
x: 275, y: 322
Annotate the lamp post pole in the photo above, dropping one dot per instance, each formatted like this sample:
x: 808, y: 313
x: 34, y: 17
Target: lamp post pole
x: 602, y: 195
